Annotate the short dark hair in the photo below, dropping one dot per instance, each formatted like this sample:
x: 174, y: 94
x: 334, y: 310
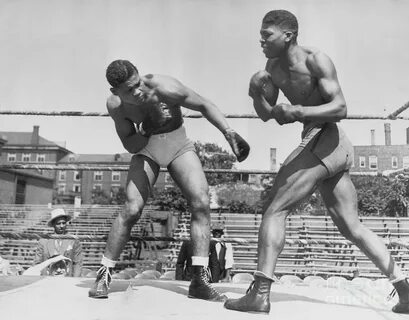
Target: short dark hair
x: 119, y: 71
x: 283, y: 19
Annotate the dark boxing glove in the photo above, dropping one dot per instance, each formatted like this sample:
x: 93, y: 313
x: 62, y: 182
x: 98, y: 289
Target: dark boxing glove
x: 157, y: 117
x: 239, y: 146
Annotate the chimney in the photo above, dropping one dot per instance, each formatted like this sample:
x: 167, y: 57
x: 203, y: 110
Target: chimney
x: 407, y: 135
x: 35, y: 138
x: 273, y: 159
x: 372, y: 137
x: 387, y: 134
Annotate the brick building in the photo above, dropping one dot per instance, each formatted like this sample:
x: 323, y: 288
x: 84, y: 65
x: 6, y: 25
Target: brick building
x: 81, y: 184
x: 28, y: 186
x: 374, y: 159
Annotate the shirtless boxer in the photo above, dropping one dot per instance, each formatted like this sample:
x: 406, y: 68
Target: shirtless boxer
x: 308, y: 79
x: 148, y: 119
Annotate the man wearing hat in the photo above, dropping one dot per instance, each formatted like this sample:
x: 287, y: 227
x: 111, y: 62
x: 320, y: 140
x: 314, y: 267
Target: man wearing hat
x: 61, y: 247
x: 224, y: 252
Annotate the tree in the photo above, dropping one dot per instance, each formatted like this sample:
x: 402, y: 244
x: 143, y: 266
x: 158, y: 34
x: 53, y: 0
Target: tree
x: 213, y: 156
x: 118, y: 197
x: 100, y: 197
x: 383, y: 196
x: 170, y: 199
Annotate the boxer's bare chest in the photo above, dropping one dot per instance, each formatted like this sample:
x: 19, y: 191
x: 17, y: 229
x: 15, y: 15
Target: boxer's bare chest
x: 297, y: 84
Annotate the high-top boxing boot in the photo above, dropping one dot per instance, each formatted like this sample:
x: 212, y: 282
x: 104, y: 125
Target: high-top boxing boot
x: 101, y: 285
x: 402, y: 288
x: 200, y: 287
x: 257, y: 298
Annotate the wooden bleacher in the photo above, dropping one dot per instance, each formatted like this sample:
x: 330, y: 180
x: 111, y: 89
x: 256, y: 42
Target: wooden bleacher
x: 308, y: 258
x: 88, y: 220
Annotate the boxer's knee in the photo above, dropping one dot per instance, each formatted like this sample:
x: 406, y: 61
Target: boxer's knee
x: 132, y: 212
x: 199, y: 204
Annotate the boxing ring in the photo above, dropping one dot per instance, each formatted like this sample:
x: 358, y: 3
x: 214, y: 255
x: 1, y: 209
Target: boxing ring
x: 35, y: 297
x: 31, y: 297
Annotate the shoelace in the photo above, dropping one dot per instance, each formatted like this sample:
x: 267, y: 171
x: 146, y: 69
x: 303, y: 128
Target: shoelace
x: 206, y: 277
x: 392, y: 294
x: 251, y: 286
x: 105, y: 274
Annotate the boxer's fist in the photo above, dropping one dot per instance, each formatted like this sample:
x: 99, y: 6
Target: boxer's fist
x: 239, y: 146
x: 157, y: 117
x: 260, y: 83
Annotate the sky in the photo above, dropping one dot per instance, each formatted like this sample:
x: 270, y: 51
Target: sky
x: 54, y: 54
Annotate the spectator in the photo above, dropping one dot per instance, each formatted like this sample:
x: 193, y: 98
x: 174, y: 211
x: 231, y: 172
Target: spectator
x: 184, y: 263
x: 224, y: 253
x: 59, y: 253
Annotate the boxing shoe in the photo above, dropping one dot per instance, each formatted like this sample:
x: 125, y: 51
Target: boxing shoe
x: 257, y: 298
x: 200, y: 287
x: 101, y: 285
x: 402, y: 288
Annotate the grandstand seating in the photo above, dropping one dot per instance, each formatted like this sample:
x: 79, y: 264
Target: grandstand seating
x: 89, y: 221
x: 338, y: 258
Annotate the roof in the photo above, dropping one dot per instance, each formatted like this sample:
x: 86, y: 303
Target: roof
x: 105, y: 158
x: 23, y: 138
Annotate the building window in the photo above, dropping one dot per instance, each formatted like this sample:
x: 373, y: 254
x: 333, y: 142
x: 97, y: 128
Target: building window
x: 98, y: 176
x: 116, y: 176
x: 76, y: 188
x: 362, y: 162
x: 405, y: 162
x: 26, y: 157
x: 11, y: 157
x: 71, y: 158
x: 394, y: 162
x: 77, y: 176
x: 97, y: 187
x: 63, y: 175
x: 40, y: 157
x: 61, y: 188
x: 373, y: 162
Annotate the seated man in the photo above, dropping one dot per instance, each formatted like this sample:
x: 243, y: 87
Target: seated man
x: 61, y: 246
x: 54, y: 266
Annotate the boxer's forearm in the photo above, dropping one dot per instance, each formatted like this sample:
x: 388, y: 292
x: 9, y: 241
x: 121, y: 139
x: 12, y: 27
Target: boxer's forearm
x: 215, y: 117
x: 262, y: 107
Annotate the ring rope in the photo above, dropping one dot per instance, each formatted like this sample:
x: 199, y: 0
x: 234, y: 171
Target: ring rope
x: 79, y: 167
x: 394, y: 242
x: 392, y: 116
x: 104, y: 167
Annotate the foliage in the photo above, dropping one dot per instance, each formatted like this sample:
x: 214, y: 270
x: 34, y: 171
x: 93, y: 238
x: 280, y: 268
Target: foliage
x: 239, y: 191
x: 119, y: 197
x: 381, y: 195
x: 170, y: 199
x: 213, y: 156
x: 241, y: 207
x: 100, y: 197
